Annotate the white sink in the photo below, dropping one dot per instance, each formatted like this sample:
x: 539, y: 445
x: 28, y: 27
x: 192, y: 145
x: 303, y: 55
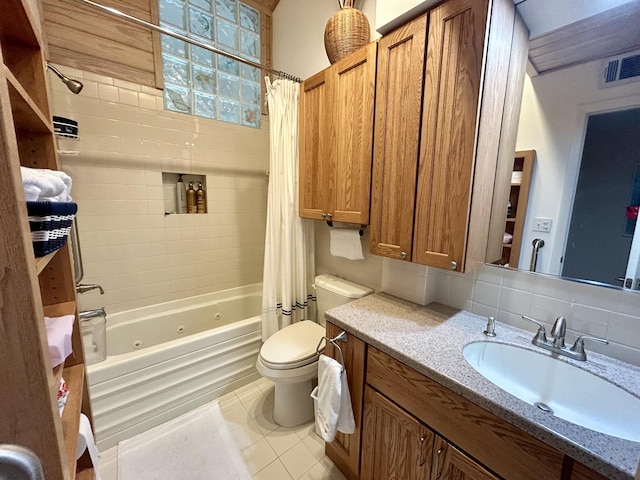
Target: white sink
x: 569, y: 392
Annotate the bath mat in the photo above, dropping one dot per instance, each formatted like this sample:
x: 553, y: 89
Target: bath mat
x: 195, y: 446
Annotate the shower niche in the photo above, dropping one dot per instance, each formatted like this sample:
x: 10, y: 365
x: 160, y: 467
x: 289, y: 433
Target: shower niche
x: 177, y: 194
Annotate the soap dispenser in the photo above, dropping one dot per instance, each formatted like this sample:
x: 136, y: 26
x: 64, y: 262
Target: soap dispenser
x: 191, y: 199
x: 181, y: 196
x: 201, y: 199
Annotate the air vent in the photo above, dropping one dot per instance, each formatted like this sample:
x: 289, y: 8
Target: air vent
x: 620, y: 70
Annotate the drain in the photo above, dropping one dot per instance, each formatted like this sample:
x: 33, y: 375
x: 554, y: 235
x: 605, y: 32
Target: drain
x: 137, y: 344
x: 544, y: 407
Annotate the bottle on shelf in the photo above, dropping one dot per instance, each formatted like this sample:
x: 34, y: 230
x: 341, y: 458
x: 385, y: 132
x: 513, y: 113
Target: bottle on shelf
x: 191, y: 199
x: 181, y: 196
x: 201, y: 199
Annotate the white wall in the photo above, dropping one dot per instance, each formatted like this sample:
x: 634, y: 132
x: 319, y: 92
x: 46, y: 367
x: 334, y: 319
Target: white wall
x: 137, y: 253
x: 553, y: 122
x: 298, y: 34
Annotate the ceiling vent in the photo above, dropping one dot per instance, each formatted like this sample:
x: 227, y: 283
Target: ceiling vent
x: 620, y: 70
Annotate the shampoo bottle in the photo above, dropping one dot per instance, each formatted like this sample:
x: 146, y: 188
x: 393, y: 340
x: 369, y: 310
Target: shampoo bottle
x: 201, y: 201
x: 191, y: 199
x: 181, y: 196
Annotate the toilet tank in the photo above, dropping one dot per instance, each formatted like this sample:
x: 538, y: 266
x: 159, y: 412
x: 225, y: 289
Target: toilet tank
x: 333, y: 291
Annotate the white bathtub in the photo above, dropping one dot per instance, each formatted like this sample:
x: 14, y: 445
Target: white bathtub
x: 167, y: 359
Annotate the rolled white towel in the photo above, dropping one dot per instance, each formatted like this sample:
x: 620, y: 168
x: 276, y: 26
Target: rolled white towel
x: 46, y: 185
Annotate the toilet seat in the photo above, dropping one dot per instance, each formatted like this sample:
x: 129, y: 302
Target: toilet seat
x: 293, y: 346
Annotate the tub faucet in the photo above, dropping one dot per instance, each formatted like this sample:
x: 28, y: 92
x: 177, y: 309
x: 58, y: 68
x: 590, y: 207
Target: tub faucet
x: 83, y: 288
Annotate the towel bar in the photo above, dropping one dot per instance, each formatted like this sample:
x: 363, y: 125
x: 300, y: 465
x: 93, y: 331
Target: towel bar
x: 341, y: 337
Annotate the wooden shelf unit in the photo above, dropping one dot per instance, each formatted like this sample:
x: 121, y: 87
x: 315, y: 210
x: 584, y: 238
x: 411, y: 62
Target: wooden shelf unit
x: 518, y: 198
x: 32, y: 288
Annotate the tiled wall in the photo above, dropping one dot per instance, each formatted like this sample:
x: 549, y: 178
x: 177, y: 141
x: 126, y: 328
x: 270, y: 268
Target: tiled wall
x: 139, y: 255
x: 508, y: 294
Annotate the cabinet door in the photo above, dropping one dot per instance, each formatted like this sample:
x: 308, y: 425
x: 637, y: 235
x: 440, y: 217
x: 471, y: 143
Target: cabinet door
x: 352, y: 91
x: 396, y: 139
x: 395, y: 445
x: 449, y: 463
x: 344, y: 451
x: 315, y: 185
x: 451, y: 93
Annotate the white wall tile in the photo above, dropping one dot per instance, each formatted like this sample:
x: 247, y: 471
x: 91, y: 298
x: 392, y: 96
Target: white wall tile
x: 133, y: 250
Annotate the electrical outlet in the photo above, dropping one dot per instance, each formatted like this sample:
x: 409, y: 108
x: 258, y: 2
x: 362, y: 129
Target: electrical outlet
x: 541, y: 224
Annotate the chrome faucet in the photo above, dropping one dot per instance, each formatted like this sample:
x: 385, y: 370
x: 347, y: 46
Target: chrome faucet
x: 82, y: 288
x: 556, y: 345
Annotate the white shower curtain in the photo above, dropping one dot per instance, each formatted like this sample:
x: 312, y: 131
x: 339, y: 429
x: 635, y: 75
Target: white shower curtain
x: 289, y: 268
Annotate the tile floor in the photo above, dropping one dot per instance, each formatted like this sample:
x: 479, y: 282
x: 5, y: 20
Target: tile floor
x: 270, y: 452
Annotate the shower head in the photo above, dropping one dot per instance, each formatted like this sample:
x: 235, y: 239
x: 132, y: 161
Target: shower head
x: 74, y: 85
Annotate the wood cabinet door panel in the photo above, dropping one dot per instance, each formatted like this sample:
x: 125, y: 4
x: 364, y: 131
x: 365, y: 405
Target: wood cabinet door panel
x: 352, y: 87
x: 449, y: 127
x: 315, y: 174
x: 449, y: 463
x: 344, y: 451
x: 396, y: 138
x: 396, y: 446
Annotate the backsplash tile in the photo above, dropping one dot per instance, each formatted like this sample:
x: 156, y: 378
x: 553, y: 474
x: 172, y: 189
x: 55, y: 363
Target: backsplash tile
x: 589, y: 310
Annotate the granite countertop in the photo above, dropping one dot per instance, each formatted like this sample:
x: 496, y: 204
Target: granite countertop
x: 430, y: 340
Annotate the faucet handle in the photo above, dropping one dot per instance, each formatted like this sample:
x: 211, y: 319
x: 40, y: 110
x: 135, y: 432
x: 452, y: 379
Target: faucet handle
x: 541, y: 335
x: 578, y: 345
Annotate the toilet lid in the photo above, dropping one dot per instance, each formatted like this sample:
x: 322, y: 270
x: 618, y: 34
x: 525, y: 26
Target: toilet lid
x: 293, y: 346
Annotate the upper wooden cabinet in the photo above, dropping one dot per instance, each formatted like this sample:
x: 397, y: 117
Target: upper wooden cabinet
x: 397, y: 132
x: 437, y: 139
x: 336, y: 115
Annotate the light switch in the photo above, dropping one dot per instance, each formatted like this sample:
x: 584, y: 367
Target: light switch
x: 541, y: 224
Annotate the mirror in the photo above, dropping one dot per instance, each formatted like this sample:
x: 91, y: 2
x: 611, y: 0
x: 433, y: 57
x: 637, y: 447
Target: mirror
x: 585, y: 173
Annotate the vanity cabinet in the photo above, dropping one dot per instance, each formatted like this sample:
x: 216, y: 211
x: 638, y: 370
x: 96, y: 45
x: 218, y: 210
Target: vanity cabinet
x: 437, y: 137
x: 336, y: 131
x: 344, y: 451
x: 409, y: 426
x: 32, y: 288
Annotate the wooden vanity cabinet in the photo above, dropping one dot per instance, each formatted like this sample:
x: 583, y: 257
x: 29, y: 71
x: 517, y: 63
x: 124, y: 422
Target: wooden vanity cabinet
x: 32, y: 288
x: 395, y: 444
x: 344, y: 451
x: 336, y: 135
x: 434, y: 176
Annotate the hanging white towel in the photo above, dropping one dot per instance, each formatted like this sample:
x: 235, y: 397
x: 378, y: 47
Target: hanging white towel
x: 333, y: 410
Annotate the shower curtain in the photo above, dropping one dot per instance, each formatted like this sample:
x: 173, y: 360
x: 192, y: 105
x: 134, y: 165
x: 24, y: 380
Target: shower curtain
x: 289, y: 267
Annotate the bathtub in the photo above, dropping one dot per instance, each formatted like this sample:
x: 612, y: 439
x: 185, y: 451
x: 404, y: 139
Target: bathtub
x: 166, y: 359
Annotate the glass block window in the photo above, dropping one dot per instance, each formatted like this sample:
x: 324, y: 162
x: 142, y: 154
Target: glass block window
x: 205, y: 84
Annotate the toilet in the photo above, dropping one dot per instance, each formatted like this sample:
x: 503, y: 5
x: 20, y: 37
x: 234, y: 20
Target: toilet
x: 288, y: 358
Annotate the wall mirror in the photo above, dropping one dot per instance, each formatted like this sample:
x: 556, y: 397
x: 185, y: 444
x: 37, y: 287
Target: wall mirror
x: 585, y: 182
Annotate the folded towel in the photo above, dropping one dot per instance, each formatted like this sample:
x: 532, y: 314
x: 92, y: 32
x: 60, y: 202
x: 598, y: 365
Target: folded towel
x: 333, y: 410
x: 45, y: 185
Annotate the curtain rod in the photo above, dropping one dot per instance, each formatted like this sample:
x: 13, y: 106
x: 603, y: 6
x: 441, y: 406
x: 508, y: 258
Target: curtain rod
x: 171, y: 33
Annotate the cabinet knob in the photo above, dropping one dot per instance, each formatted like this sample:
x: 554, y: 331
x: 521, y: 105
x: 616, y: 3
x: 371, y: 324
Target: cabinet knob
x: 329, y: 215
x: 403, y: 255
x: 453, y: 265
x: 324, y: 215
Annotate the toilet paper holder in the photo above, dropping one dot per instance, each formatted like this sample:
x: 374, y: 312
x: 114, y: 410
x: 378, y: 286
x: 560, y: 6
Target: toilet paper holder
x: 360, y: 228
x: 341, y: 337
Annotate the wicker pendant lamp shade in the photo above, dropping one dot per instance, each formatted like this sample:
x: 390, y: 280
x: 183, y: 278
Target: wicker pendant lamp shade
x: 347, y: 30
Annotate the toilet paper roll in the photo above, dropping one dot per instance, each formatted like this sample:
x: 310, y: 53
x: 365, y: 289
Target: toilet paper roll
x: 346, y: 243
x: 86, y: 442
